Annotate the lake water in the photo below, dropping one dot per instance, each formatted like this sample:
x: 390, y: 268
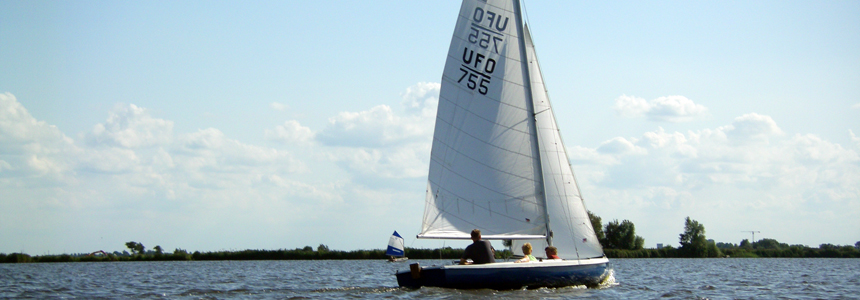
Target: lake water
x: 730, y: 278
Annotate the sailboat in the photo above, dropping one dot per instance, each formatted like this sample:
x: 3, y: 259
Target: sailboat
x: 395, y: 250
x: 498, y: 162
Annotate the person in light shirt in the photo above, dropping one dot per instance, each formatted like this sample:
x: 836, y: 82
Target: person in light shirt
x: 527, y: 254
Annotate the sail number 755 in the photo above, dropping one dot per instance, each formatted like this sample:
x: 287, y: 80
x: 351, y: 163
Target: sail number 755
x: 473, y: 81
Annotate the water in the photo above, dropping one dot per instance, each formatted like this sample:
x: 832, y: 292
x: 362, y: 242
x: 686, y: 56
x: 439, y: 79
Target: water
x: 741, y: 278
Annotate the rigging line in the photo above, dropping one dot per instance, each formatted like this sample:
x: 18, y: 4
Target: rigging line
x: 526, y: 12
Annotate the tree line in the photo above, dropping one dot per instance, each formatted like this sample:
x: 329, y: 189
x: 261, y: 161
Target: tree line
x: 619, y: 240
x: 322, y: 252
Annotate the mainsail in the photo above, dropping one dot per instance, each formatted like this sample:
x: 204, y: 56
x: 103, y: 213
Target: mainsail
x: 497, y: 161
x: 395, y: 245
x: 484, y: 164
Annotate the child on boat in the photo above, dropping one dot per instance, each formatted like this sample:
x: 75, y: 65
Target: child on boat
x: 527, y: 254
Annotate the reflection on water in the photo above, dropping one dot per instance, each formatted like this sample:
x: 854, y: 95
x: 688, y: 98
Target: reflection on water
x: 812, y: 278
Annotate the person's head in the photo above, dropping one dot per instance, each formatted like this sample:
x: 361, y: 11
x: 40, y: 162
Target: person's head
x: 550, y: 251
x: 527, y: 248
x: 476, y: 235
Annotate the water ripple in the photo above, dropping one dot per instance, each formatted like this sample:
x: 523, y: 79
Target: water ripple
x: 744, y: 278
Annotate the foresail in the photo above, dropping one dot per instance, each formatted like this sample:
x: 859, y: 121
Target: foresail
x: 483, y: 167
x: 570, y: 226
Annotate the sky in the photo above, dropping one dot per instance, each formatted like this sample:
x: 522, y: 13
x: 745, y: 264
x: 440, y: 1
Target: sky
x: 228, y: 125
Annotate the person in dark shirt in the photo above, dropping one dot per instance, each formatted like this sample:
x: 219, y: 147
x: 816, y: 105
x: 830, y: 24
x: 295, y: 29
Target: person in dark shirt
x: 480, y: 252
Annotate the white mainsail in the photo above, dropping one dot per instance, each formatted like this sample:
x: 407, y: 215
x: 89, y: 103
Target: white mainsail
x: 497, y: 161
x: 482, y: 166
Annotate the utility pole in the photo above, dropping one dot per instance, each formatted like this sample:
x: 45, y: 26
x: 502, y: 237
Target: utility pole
x: 753, y: 235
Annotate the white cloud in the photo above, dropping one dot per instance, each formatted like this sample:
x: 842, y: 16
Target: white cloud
x: 210, y: 149
x: 382, y: 143
x: 327, y: 193
x: 381, y: 126
x: 421, y: 96
x: 856, y: 106
x: 108, y: 160
x: 377, y: 127
x: 290, y: 132
x: 130, y: 126
x: 749, y: 172
x: 278, y: 106
x: 406, y: 161
x: 752, y: 127
x: 134, y: 168
x: 29, y: 147
x: 669, y: 108
x: 740, y: 152
x: 619, y: 146
x: 854, y: 139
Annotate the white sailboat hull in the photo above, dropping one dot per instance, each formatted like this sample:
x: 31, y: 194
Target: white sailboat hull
x: 508, y: 275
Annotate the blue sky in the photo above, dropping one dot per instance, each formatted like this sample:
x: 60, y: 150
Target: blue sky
x: 219, y: 125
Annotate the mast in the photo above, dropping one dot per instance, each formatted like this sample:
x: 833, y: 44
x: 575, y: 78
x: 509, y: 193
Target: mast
x: 527, y: 86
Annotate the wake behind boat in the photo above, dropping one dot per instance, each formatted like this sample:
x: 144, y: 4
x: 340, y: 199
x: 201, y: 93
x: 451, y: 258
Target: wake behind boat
x: 498, y: 162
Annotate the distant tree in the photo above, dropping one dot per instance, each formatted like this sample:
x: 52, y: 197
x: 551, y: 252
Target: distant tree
x: 135, y: 247
x: 768, y: 244
x: 322, y: 248
x: 745, y: 243
x: 308, y: 249
x: 827, y: 246
x: 158, y: 250
x: 597, y: 224
x: 694, y: 243
x: 857, y: 245
x: 622, y: 236
x: 722, y: 245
